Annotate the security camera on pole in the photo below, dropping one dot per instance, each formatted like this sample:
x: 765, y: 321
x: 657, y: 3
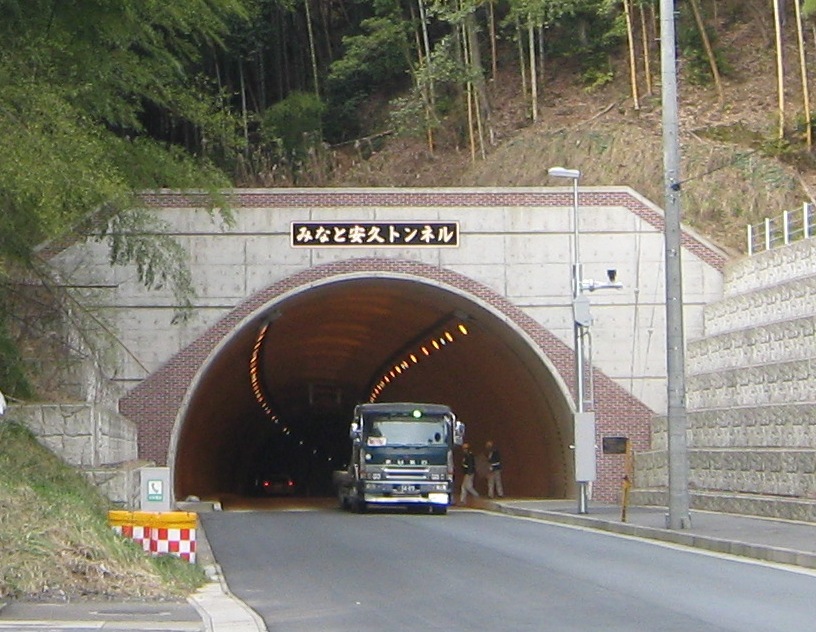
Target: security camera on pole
x: 584, y: 417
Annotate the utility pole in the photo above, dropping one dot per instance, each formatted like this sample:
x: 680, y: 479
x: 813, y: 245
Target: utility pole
x: 678, y: 516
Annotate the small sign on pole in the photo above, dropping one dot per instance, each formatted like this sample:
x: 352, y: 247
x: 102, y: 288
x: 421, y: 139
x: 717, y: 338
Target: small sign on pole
x: 155, y: 488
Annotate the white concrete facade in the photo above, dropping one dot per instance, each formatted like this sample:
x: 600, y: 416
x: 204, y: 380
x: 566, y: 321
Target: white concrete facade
x: 521, y: 251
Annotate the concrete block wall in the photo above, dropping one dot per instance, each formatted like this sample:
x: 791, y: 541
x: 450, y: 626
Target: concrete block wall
x: 751, y: 390
x: 84, y: 435
x: 652, y: 466
x: 120, y: 483
x: 98, y: 441
x: 770, y: 268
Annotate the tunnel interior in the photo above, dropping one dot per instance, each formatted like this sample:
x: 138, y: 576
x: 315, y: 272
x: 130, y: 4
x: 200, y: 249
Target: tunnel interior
x: 277, y: 397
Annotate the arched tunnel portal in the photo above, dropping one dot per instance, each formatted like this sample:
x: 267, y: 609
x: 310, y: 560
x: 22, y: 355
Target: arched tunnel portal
x: 277, y: 395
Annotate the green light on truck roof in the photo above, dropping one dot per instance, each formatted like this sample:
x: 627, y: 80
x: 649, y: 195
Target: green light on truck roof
x: 417, y: 414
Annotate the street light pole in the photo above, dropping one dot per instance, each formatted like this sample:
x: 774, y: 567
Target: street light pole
x: 584, y: 420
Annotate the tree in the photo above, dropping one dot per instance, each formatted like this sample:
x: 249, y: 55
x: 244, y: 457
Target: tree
x: 780, y: 69
x: 800, y: 39
x: 292, y: 126
x: 376, y: 58
x: 86, y: 86
x: 630, y: 39
x: 709, y: 51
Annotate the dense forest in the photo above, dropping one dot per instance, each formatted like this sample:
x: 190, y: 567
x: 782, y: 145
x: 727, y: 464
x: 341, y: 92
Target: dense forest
x: 102, y: 99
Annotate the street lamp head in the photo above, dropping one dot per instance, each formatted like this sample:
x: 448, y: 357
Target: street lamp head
x: 561, y: 172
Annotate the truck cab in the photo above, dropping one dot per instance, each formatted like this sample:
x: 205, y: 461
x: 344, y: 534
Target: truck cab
x: 401, y: 455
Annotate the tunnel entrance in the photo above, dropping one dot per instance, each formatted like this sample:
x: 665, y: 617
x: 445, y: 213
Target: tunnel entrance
x: 274, y: 402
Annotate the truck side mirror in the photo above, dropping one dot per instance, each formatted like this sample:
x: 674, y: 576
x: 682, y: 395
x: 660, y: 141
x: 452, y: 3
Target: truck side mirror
x: 354, y: 433
x: 458, y: 432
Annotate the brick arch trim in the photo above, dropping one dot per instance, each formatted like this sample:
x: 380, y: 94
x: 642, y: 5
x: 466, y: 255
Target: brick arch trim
x: 155, y: 403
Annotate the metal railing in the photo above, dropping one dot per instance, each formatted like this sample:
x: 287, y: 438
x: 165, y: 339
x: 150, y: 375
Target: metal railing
x: 781, y: 230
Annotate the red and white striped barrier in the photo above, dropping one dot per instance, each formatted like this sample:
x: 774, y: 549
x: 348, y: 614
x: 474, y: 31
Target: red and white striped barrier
x: 165, y: 533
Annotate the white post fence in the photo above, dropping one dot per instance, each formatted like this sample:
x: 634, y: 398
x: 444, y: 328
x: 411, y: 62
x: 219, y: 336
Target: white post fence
x: 782, y: 230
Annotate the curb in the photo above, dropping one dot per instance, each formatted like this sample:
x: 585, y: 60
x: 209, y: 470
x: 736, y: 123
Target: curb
x: 740, y: 549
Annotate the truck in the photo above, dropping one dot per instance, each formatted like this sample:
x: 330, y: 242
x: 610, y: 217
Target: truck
x: 401, y: 456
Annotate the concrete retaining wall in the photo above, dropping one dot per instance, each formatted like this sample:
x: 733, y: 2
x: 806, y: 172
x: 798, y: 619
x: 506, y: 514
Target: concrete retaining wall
x: 84, y: 435
x: 515, y: 241
x: 751, y: 390
x: 99, y: 442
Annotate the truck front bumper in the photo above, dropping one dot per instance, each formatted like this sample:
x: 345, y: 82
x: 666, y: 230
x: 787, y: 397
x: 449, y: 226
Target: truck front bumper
x: 406, y: 493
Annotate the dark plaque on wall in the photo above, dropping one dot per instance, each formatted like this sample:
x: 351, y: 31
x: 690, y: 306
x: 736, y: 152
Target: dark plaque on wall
x: 615, y: 445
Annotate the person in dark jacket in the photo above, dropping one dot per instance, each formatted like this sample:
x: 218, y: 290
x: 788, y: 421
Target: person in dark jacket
x: 469, y: 472
x: 494, y: 480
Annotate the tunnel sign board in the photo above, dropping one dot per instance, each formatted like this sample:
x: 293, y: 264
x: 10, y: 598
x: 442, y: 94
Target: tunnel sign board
x: 374, y: 234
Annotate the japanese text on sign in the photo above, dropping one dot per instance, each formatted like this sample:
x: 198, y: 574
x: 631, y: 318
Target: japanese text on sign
x: 374, y: 234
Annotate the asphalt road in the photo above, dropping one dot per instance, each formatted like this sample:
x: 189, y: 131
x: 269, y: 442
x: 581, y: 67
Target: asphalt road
x: 333, y: 571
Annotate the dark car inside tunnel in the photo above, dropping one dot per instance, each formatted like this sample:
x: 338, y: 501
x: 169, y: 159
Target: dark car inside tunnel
x: 270, y: 411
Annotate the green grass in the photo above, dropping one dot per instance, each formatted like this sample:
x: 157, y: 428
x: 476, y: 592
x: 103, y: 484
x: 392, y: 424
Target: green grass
x: 55, y: 542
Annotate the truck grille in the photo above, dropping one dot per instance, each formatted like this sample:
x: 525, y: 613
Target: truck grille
x: 405, y: 473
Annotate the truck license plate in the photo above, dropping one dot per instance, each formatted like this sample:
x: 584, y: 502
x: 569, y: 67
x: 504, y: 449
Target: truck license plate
x: 406, y: 489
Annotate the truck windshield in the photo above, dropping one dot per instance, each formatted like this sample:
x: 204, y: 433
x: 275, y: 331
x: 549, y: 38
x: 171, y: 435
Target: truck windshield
x: 406, y: 431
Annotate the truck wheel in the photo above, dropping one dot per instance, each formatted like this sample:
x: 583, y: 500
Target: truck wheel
x: 439, y: 510
x: 360, y: 506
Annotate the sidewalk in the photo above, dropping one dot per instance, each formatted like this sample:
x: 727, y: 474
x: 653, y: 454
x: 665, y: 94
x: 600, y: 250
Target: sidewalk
x: 214, y: 609
x: 766, y: 539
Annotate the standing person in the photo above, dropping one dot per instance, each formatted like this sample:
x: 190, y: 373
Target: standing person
x: 494, y: 481
x: 469, y: 471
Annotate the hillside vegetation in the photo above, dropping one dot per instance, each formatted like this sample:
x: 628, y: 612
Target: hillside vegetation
x: 55, y: 542
x: 734, y: 171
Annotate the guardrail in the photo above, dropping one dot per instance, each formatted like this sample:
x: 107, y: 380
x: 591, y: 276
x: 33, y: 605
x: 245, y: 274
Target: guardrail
x: 782, y: 230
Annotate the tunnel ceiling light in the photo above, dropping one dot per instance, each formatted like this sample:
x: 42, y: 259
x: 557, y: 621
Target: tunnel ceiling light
x: 436, y: 342
x: 255, y: 374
